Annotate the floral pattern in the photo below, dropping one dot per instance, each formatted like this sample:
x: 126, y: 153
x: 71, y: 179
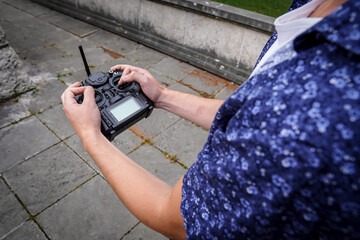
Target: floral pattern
x: 282, y: 160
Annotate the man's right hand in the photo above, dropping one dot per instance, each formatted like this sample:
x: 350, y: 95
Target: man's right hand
x: 149, y: 85
x: 199, y: 110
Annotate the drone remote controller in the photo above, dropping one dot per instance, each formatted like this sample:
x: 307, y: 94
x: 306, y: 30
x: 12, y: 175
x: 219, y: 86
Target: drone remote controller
x: 121, y: 106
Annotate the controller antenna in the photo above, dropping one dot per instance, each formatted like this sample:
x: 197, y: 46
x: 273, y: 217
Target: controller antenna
x: 84, y: 60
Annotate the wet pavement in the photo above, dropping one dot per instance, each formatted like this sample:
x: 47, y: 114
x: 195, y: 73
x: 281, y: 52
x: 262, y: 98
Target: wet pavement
x: 50, y: 188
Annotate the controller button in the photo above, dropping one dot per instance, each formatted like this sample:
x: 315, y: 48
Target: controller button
x: 79, y: 98
x: 106, y: 87
x: 125, y: 85
x: 98, y: 98
x: 96, y: 79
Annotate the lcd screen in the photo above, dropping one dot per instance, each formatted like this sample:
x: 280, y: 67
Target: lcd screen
x: 125, y: 109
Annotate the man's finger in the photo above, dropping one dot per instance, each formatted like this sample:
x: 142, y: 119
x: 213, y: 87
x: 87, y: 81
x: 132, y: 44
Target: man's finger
x: 68, y: 96
x: 125, y: 68
x: 126, y: 71
x: 119, y: 67
x: 134, y: 76
x: 89, y: 95
x: 76, y: 84
x: 76, y: 90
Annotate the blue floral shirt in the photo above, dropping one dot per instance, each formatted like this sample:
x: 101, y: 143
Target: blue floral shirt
x: 282, y: 160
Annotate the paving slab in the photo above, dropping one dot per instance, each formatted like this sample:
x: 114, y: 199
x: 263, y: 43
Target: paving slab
x: 156, y: 163
x: 12, y: 214
x: 93, y: 211
x: 172, y: 68
x: 183, y: 139
x: 162, y: 79
x: 30, y: 24
x: 47, y: 95
x: 30, y: 7
x: 8, y: 27
x: 118, y: 45
x: 47, y: 177
x: 70, y: 78
x: 145, y: 57
x: 185, y: 89
x: 71, y: 46
x: 75, y: 144
x: 95, y: 56
x: 62, y: 65
x: 23, y: 140
x: 55, y: 119
x: 103, y: 37
x: 127, y: 141
x: 21, y: 44
x: 57, y: 35
x: 11, y: 14
x: 158, y: 121
x: 143, y: 232
x: 12, y: 111
x: 42, y: 54
x: 22, y: 30
x: 68, y: 23
x: 27, y: 230
x: 227, y: 91
x: 203, y: 81
x: 24, y: 37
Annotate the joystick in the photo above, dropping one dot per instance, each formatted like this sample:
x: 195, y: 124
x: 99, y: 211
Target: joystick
x: 121, y: 106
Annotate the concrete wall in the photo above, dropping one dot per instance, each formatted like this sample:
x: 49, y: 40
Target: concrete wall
x: 219, y: 38
x: 13, y: 76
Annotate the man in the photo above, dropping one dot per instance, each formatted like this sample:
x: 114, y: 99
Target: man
x: 282, y: 156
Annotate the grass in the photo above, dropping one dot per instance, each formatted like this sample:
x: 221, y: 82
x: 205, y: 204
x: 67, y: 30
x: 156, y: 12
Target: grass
x: 269, y: 8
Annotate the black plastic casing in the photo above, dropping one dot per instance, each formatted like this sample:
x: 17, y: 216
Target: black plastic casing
x: 109, y: 95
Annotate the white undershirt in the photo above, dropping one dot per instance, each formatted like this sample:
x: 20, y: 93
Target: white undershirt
x: 289, y: 26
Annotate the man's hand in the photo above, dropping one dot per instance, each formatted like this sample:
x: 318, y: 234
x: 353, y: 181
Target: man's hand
x: 84, y: 118
x: 149, y: 85
x: 200, y: 111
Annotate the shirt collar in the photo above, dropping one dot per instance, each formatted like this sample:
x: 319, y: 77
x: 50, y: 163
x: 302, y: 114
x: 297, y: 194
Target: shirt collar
x: 341, y: 27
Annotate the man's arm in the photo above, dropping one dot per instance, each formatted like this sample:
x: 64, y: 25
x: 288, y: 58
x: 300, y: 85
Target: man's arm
x: 151, y: 200
x: 200, y: 111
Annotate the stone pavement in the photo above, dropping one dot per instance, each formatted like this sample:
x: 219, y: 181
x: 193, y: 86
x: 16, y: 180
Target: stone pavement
x: 50, y: 188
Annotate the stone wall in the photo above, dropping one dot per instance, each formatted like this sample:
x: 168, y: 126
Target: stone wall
x: 221, y: 39
x: 13, y: 76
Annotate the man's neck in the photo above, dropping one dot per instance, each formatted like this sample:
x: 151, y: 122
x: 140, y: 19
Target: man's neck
x: 327, y: 8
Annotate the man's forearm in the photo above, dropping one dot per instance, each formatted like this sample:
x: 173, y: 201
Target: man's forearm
x: 200, y: 111
x: 151, y: 200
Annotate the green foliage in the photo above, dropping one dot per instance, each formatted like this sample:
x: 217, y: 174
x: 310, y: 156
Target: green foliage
x: 16, y: 93
x: 60, y: 75
x: 269, y: 8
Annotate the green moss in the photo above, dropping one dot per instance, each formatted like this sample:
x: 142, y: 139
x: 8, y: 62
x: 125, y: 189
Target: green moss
x: 60, y: 75
x: 16, y: 93
x: 269, y: 8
